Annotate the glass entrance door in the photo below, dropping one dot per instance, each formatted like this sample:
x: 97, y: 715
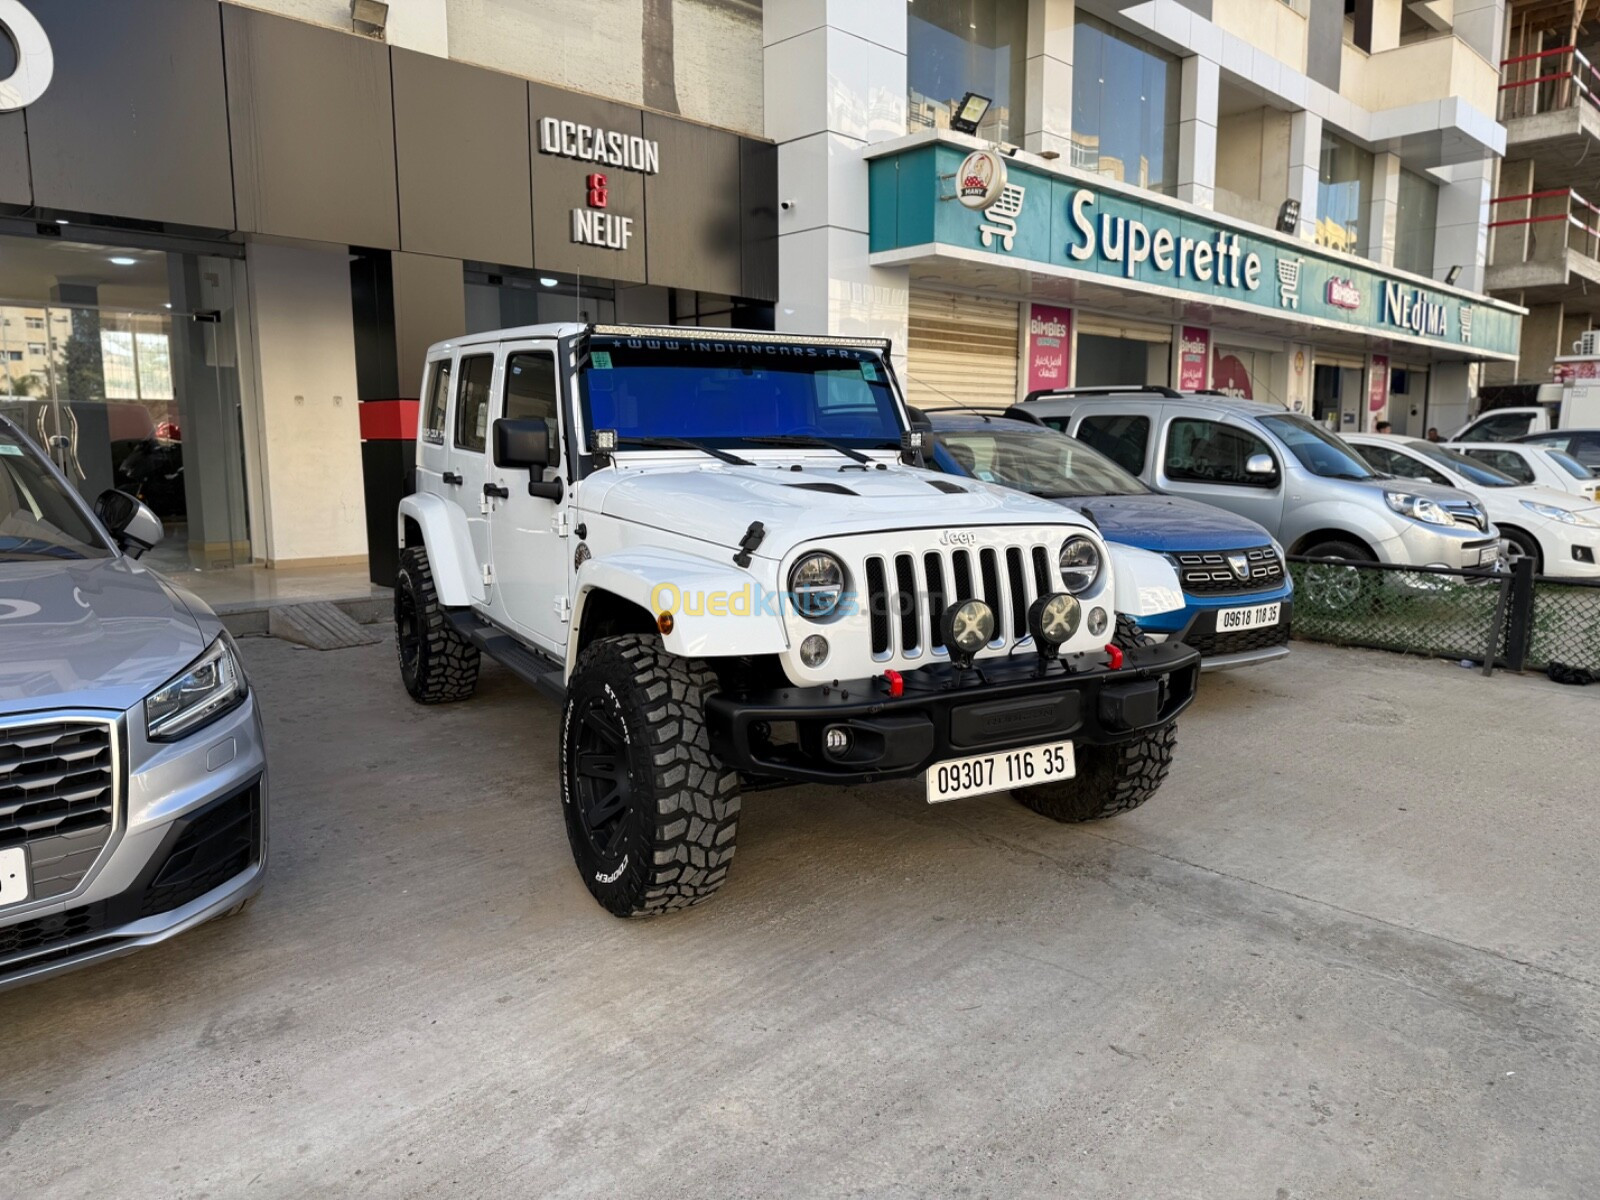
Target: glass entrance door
x: 142, y: 401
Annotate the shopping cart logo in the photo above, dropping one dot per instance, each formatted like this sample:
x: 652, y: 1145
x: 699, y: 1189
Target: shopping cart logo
x: 1289, y: 282
x: 1000, y: 218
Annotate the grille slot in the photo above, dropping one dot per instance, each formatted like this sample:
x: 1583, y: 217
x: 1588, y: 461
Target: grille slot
x: 878, y: 607
x: 58, y: 797
x: 1212, y: 574
x: 989, y: 560
x: 961, y: 564
x: 1019, y: 592
x: 1041, y: 571
x: 905, y: 578
x: 933, y: 564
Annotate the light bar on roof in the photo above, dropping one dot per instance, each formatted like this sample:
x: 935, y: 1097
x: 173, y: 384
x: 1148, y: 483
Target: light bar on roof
x: 743, y: 335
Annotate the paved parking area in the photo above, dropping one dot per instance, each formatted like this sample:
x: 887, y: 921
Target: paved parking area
x: 1351, y: 950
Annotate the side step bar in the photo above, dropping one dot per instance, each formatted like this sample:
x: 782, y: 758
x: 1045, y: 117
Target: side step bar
x: 529, y: 665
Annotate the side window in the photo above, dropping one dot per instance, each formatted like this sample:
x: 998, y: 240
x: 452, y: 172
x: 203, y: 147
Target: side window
x: 1586, y: 449
x: 1122, y: 439
x: 1201, y: 451
x: 1501, y: 428
x: 531, y: 390
x: 472, y: 402
x: 1393, y: 462
x: 1509, y: 461
x: 438, y: 401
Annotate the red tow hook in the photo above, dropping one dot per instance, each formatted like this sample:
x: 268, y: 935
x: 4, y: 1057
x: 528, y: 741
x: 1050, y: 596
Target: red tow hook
x: 1115, y: 652
x: 896, y: 682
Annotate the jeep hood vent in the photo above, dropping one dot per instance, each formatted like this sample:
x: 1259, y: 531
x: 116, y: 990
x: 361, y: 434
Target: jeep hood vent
x: 955, y: 489
x: 833, y: 489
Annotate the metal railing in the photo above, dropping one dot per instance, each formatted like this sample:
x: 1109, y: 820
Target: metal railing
x: 1563, y: 205
x: 1512, y: 619
x: 1547, y: 81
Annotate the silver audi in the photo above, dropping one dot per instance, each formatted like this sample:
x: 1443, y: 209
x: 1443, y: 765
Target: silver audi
x: 133, y: 787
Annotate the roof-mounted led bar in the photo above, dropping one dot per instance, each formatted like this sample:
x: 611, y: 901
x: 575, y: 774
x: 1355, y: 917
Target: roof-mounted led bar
x: 743, y: 335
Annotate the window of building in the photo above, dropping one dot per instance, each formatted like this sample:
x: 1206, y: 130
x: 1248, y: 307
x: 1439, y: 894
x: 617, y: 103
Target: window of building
x: 1415, y: 223
x: 438, y: 399
x: 1344, y: 192
x: 1122, y: 439
x: 1124, y: 107
x: 31, y: 322
x: 1201, y: 451
x: 472, y: 405
x: 36, y: 349
x: 958, y: 46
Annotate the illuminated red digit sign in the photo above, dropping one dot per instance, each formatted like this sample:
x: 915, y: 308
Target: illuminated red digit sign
x: 597, y: 191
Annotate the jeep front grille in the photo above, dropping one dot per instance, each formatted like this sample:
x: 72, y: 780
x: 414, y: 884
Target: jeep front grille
x: 58, y: 785
x: 907, y: 593
x: 1211, y: 574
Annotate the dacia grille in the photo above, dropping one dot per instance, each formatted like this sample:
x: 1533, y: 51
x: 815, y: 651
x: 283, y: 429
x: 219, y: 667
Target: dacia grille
x: 907, y: 593
x: 1218, y: 573
x: 58, y: 785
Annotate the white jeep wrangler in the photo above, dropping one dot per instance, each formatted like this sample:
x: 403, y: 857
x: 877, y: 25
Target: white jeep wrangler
x: 719, y: 550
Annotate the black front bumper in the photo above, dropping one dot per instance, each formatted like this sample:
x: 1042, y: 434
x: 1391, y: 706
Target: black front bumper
x: 945, y: 713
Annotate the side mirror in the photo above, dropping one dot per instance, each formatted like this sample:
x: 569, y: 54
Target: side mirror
x: 521, y: 442
x: 1260, y: 464
x: 134, y: 526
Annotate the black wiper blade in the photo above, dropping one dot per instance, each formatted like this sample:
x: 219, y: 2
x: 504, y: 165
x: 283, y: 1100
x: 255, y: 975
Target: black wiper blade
x: 805, y: 440
x: 676, y: 443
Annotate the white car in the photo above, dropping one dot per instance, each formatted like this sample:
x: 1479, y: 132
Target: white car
x: 1558, y: 530
x: 1534, y: 465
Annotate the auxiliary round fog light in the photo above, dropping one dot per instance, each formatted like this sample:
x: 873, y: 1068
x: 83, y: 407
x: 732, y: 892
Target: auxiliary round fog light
x: 1098, y: 620
x: 967, y: 627
x: 837, y: 739
x: 814, y: 650
x: 1053, y: 619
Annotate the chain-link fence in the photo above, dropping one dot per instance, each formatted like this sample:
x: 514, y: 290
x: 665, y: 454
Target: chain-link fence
x: 1512, y: 618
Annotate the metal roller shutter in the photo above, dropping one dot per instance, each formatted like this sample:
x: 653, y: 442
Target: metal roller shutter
x: 961, y: 350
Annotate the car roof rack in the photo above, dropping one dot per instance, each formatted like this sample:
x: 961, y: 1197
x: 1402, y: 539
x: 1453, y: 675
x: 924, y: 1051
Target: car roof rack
x: 1127, y: 389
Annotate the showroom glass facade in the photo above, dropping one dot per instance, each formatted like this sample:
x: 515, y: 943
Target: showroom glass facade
x: 1125, y: 100
x: 1344, y: 195
x: 958, y: 46
x: 1416, y: 223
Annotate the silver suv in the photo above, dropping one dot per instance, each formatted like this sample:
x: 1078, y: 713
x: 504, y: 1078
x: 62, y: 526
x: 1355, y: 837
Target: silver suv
x: 132, y: 771
x: 1315, y: 494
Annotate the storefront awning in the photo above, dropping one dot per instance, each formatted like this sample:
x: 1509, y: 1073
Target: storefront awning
x: 1053, y: 234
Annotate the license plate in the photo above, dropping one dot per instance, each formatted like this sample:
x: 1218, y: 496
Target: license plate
x: 1022, y: 767
x: 13, y: 876
x: 1255, y: 617
x: 1489, y: 554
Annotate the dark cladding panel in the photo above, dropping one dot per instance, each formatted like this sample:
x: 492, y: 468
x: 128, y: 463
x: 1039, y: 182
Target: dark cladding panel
x: 14, y: 187
x: 560, y: 185
x: 758, y: 199
x: 694, y: 207
x: 134, y: 122
x: 461, y: 143
x: 313, y: 131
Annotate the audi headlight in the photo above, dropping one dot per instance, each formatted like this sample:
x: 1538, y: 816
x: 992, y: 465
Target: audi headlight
x: 1080, y: 564
x: 1418, y: 508
x: 816, y: 583
x: 1565, y: 516
x: 209, y: 687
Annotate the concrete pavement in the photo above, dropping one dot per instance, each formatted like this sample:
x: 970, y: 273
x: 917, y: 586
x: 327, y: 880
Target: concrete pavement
x: 1349, y: 951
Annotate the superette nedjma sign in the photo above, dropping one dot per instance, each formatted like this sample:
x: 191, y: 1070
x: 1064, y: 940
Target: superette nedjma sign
x: 1083, y: 227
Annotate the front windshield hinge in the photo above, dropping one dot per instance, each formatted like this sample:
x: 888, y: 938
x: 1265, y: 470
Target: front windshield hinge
x: 748, y: 544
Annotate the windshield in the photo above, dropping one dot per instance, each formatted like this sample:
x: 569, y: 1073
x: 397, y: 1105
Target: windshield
x: 734, y: 393
x: 1473, y: 472
x: 1318, y: 451
x: 1040, y: 461
x: 38, y: 519
x: 1571, y: 465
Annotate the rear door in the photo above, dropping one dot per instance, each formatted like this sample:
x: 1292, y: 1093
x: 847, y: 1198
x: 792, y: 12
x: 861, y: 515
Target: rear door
x: 1123, y: 437
x: 433, y: 451
x: 532, y: 565
x: 1203, y: 456
x: 469, y: 439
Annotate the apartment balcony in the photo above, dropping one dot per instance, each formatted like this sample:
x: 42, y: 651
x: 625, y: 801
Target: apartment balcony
x: 1550, y: 106
x: 1545, y: 250
x: 1432, y: 101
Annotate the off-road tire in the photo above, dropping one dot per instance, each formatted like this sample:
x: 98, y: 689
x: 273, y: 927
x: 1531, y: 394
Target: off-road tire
x: 1110, y: 779
x: 437, y: 663
x: 674, y: 812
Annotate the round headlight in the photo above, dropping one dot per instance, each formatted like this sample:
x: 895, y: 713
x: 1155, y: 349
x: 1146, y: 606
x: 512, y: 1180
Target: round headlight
x: 1080, y: 564
x: 814, y: 650
x: 815, y: 584
x: 968, y: 627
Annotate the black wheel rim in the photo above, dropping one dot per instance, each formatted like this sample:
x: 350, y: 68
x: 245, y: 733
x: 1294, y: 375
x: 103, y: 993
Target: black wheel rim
x: 406, y: 634
x: 602, y: 787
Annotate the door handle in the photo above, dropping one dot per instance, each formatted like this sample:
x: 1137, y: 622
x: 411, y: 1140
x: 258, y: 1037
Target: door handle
x: 494, y: 489
x: 451, y: 477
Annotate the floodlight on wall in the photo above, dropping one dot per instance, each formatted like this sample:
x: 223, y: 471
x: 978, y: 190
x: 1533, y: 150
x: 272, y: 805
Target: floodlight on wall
x: 1453, y: 274
x: 369, y: 17
x: 969, y: 113
x: 1289, y: 216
